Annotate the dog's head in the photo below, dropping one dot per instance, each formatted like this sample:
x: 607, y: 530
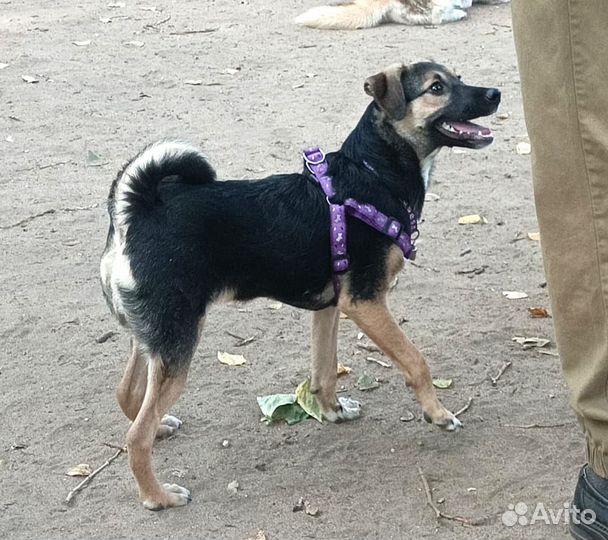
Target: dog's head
x: 428, y: 106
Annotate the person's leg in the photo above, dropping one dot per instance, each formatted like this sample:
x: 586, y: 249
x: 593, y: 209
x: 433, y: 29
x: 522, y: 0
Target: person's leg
x: 562, y: 48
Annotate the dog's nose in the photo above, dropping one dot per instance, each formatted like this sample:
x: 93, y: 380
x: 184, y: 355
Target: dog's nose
x: 493, y: 95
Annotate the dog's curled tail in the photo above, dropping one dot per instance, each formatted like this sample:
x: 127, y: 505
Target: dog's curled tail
x: 136, y: 186
x: 346, y: 16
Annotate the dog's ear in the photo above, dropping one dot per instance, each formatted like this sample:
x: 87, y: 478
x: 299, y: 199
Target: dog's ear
x: 387, y: 91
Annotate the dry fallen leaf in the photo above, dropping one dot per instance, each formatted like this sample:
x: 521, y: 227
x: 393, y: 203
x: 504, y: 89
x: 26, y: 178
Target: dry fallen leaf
x: 431, y: 197
x: 193, y: 82
x: 538, y: 313
x: 233, y: 487
x: 2, y: 66
x: 514, y: 295
x: 275, y: 305
x: 29, y: 79
x: 531, y: 342
x: 307, y: 506
x: 82, y: 43
x: 343, y: 370
x: 134, y: 43
x: 261, y: 535
x: 343, y: 315
x: 473, y: 219
x: 231, y: 359
x: 502, y: 115
x: 105, y: 20
x: 523, y: 148
x: 534, y: 236
x: 311, y: 509
x: 84, y: 469
x: 231, y: 71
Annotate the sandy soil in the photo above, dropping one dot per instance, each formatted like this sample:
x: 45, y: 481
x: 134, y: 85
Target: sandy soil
x: 267, y: 90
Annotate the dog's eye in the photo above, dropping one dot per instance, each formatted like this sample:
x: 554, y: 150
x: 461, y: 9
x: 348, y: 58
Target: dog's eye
x: 437, y: 88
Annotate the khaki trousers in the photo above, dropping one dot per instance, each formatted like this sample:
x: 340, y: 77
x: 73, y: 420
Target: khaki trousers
x: 562, y: 49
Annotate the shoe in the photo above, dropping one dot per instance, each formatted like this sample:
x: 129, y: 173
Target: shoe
x: 589, y: 513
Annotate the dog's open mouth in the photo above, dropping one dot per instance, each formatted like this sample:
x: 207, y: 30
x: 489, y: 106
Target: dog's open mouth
x: 465, y: 133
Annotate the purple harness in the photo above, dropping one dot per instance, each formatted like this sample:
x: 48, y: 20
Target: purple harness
x: 314, y: 159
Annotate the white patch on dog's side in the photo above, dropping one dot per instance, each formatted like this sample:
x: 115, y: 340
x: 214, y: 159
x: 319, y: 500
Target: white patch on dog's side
x: 426, y: 167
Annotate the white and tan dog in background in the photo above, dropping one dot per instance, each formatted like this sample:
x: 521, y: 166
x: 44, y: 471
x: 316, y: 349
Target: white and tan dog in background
x: 354, y: 14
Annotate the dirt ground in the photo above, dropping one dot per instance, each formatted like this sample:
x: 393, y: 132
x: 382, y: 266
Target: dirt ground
x: 267, y: 89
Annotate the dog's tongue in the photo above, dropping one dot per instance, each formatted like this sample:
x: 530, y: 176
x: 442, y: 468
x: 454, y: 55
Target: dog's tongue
x: 470, y: 128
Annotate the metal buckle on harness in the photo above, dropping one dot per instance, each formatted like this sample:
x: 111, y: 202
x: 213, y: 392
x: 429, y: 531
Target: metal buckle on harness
x: 316, y: 157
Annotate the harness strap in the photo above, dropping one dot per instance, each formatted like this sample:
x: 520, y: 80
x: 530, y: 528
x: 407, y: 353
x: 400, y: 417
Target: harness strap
x: 314, y: 159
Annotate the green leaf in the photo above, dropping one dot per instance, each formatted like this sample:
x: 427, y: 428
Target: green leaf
x: 276, y: 407
x: 442, y: 383
x: 268, y: 404
x: 308, y: 401
x: 367, y: 382
x: 292, y: 414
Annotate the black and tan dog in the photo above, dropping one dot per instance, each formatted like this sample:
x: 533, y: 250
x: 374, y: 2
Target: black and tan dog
x: 180, y: 240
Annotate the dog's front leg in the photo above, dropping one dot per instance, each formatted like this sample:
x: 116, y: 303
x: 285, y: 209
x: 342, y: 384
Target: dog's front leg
x: 375, y: 319
x: 324, y: 350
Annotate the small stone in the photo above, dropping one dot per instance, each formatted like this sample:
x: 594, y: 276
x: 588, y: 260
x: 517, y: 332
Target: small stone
x: 226, y: 443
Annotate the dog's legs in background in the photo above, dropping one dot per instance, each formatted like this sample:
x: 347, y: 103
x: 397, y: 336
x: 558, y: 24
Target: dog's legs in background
x: 324, y: 360
x: 375, y: 319
x: 162, y: 391
x: 132, y: 388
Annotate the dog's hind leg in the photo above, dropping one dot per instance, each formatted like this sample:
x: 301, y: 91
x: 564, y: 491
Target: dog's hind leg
x: 324, y: 361
x: 163, y: 388
x: 132, y: 388
x: 375, y: 319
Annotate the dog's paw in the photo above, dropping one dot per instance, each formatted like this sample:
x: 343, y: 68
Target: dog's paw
x: 446, y: 421
x: 171, y: 496
x: 168, y: 426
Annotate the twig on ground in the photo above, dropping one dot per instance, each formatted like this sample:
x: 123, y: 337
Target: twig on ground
x: 465, y: 408
x: 412, y: 263
x: 88, y: 479
x: 369, y: 348
x: 439, y: 513
x: 158, y: 23
x: 242, y: 340
x: 47, y: 212
x: 186, y: 32
x: 504, y: 368
x: 49, y: 165
x: 540, y: 426
x: 115, y: 446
